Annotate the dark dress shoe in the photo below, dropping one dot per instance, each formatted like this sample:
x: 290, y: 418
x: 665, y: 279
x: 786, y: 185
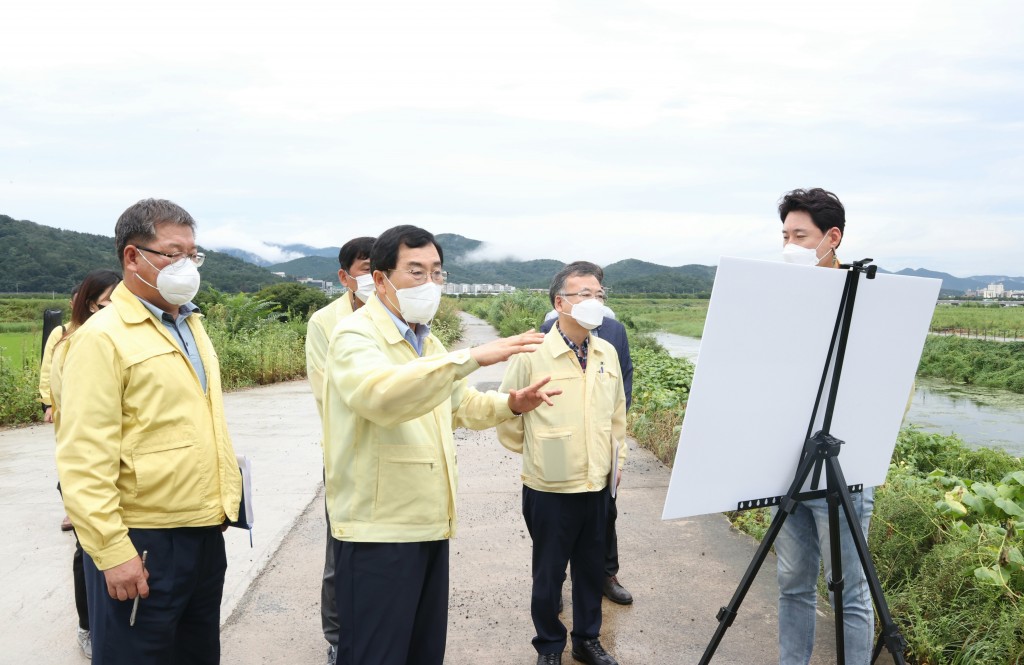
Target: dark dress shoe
x: 615, y: 591
x: 591, y: 651
x: 549, y: 659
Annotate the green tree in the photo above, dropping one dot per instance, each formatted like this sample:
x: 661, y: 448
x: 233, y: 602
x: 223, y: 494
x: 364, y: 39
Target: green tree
x: 295, y: 299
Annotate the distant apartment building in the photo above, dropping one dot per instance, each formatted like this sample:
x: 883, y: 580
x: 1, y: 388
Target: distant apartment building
x: 993, y: 291
x: 477, y: 289
x: 327, y: 287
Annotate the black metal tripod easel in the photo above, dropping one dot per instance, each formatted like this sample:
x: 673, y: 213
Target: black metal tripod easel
x: 822, y: 450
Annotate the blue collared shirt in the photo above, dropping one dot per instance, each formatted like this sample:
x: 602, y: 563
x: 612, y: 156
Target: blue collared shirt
x: 182, y: 334
x: 415, y: 338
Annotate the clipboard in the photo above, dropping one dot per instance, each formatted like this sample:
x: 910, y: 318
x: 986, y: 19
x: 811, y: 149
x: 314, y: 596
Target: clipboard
x: 612, y: 486
x: 245, y: 513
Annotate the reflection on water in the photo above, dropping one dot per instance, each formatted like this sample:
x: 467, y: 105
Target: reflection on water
x: 980, y: 416
x: 679, y: 346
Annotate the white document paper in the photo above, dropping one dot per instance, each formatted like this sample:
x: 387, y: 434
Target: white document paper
x: 764, y: 348
x: 245, y: 513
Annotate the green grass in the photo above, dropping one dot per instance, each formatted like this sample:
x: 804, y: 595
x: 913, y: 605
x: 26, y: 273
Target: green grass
x: 682, y: 316
x: 974, y: 362
x: 990, y: 320
x: 17, y: 346
x: 30, y: 309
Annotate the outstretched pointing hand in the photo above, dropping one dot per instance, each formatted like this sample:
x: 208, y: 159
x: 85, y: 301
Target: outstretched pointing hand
x: 502, y: 349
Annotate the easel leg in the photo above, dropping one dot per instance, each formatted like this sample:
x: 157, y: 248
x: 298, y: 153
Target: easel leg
x: 727, y: 614
x: 891, y: 636
x: 837, y: 583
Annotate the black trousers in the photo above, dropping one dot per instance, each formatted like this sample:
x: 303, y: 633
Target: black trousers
x: 566, y: 528
x: 392, y: 602
x: 328, y: 604
x: 81, y: 595
x: 611, y: 552
x: 78, y: 575
x: 179, y: 624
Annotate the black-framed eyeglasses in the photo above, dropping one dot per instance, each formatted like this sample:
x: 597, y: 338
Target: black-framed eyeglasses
x: 195, y: 257
x: 420, y: 276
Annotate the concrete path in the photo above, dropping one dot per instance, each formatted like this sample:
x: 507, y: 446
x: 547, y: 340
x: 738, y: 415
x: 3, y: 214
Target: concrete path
x: 277, y: 426
x: 679, y: 572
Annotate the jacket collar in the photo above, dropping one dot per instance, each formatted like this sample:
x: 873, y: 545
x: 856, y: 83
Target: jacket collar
x: 554, y: 343
x: 381, y: 318
x: 131, y: 309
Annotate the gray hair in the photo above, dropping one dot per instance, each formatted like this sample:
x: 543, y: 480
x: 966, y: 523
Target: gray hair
x: 574, y: 269
x: 138, y: 222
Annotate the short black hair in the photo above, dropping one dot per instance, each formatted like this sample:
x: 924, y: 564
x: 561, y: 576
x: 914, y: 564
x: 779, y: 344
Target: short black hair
x: 573, y: 269
x: 138, y: 223
x: 824, y: 207
x: 354, y: 250
x: 384, y: 255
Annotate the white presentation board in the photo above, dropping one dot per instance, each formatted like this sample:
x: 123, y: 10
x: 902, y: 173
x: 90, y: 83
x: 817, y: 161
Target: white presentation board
x: 765, y: 344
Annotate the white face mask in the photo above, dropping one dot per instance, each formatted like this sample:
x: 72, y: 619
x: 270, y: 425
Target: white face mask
x: 588, y: 313
x: 802, y: 256
x: 418, y: 304
x: 365, y: 287
x: 178, y: 283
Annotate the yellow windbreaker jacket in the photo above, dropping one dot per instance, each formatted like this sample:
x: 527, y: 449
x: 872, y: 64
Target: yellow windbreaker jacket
x: 139, y: 445
x: 318, y: 336
x: 388, y: 421
x: 47, y: 363
x: 568, y: 447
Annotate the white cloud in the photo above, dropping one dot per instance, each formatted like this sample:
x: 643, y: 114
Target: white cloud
x: 232, y: 236
x: 656, y: 129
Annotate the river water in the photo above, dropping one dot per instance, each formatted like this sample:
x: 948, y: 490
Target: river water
x: 980, y: 416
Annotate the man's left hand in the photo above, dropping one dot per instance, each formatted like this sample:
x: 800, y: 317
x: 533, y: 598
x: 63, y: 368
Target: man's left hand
x: 529, y: 398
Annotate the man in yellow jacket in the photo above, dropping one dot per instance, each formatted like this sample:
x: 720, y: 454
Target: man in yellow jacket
x: 572, y: 460
x: 143, y: 452
x: 392, y: 398
x: 354, y: 274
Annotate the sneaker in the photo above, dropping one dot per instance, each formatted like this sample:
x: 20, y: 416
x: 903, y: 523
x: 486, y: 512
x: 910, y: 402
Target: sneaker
x: 85, y: 641
x: 332, y: 655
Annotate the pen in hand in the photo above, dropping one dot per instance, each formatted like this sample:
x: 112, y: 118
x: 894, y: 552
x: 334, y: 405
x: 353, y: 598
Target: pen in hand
x: 135, y: 605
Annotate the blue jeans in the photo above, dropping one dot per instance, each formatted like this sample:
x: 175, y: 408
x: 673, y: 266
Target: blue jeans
x: 801, y: 545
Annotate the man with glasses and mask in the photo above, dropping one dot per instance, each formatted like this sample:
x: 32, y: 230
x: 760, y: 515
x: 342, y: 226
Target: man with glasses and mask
x: 614, y: 332
x: 354, y: 275
x: 392, y: 398
x: 572, y: 459
x: 813, y: 223
x: 143, y: 453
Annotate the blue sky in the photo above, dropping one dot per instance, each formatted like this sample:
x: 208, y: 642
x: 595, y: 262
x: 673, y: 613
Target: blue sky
x: 656, y: 129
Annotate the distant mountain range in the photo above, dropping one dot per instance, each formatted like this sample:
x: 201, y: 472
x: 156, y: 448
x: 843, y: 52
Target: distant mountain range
x: 626, y: 276
x: 37, y: 258
x: 40, y: 258
x: 958, y: 285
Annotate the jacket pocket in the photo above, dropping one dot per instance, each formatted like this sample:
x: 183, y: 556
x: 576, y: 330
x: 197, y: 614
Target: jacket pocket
x: 169, y: 474
x: 409, y: 485
x: 555, y: 458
